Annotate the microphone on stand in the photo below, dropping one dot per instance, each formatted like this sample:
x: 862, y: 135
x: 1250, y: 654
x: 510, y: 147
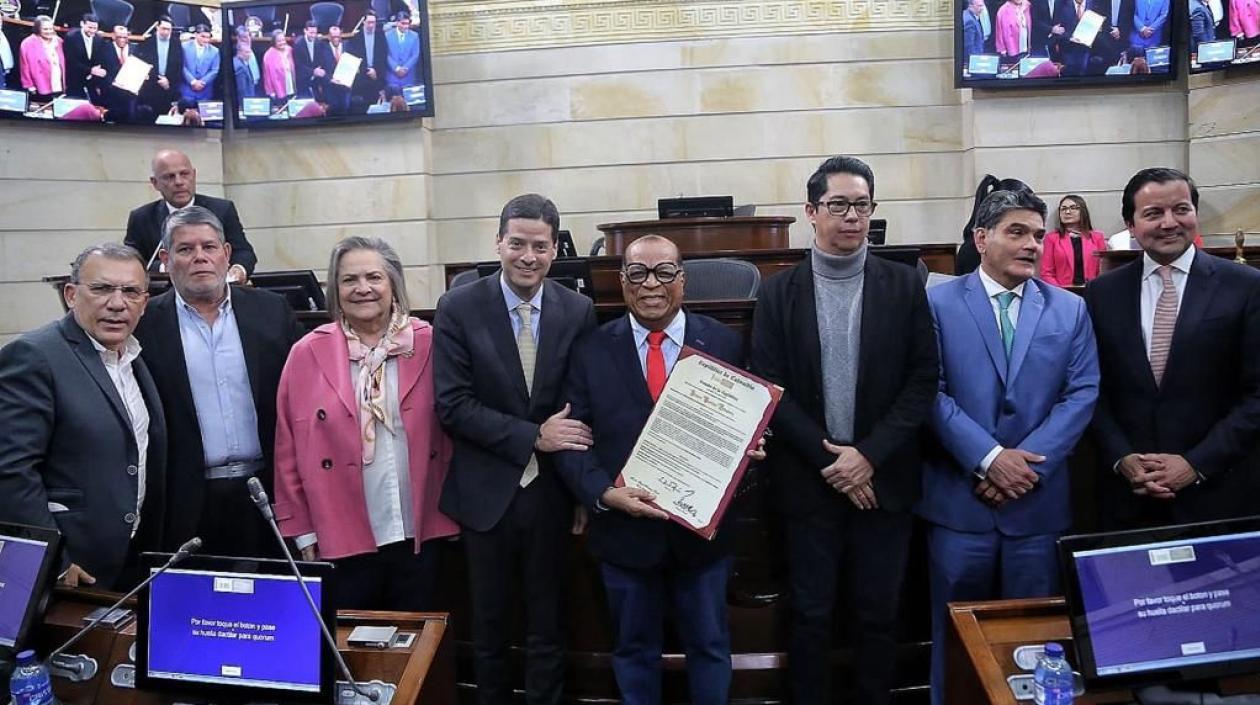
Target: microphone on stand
x: 259, y: 495
x: 189, y: 547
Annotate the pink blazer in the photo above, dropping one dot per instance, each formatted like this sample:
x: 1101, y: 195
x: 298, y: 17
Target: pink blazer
x: 1057, y: 257
x: 1244, y: 18
x: 1006, y: 33
x: 36, y: 70
x: 274, y: 63
x: 319, y: 480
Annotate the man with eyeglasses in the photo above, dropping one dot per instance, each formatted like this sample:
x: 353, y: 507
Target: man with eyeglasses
x: 616, y: 374
x: 500, y: 348
x: 84, y: 444
x: 216, y: 353
x: 849, y: 337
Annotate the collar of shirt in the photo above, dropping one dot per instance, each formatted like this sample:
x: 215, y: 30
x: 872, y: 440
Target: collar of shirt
x: 131, y: 350
x: 1181, y: 264
x: 513, y: 300
x: 225, y: 306
x: 992, y: 288
x: 171, y: 209
x: 674, y: 331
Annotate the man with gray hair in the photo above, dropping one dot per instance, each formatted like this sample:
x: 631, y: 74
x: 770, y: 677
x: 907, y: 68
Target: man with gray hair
x: 84, y: 444
x: 1019, y: 379
x: 216, y: 353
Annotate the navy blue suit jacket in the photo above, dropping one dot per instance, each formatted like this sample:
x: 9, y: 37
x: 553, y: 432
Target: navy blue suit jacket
x: 1041, y: 403
x: 608, y: 391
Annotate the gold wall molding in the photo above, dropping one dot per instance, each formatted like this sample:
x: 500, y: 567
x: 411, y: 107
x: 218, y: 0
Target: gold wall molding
x: 461, y: 26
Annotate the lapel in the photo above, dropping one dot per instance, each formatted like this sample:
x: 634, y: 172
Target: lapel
x: 411, y: 369
x: 167, y: 320
x: 1201, y: 285
x: 804, y: 317
x: 982, y: 312
x: 499, y: 326
x: 251, y: 334
x: 551, y: 321
x: 334, y: 363
x: 869, y: 338
x: 1128, y: 304
x: 91, y: 361
x: 625, y: 357
x: 1030, y: 308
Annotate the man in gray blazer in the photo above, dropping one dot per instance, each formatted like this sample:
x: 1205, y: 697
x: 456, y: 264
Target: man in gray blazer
x: 84, y: 442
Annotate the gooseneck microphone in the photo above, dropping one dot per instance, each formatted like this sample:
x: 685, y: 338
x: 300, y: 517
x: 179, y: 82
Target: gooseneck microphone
x: 259, y: 495
x: 189, y: 547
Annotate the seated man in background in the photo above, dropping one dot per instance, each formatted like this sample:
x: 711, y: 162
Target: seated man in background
x: 201, y: 66
x: 84, y: 444
x: 174, y: 177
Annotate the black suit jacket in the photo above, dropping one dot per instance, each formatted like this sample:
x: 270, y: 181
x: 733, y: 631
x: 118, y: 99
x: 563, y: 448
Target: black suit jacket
x: 304, y: 67
x: 897, y: 383
x: 379, y: 60
x: 1207, y: 408
x: 79, y: 82
x: 67, y: 439
x: 608, y: 390
x: 152, y: 93
x: 268, y: 328
x: 1040, y: 40
x: 481, y: 396
x: 144, y: 229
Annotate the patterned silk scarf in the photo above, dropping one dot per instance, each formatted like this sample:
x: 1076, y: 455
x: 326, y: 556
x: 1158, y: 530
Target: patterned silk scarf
x: 369, y: 388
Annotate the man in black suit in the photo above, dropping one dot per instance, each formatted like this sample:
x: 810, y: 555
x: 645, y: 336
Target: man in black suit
x: 120, y: 103
x: 1178, y: 417
x: 163, y: 51
x: 616, y: 374
x: 1113, y: 38
x: 500, y: 349
x: 84, y: 444
x: 175, y: 178
x: 85, y: 51
x: 849, y: 337
x: 369, y: 45
x: 309, y: 62
x: 216, y: 353
x: 1046, y: 33
x: 337, y: 96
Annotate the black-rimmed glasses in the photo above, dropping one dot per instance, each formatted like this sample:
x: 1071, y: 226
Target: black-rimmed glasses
x: 840, y: 207
x: 665, y: 272
x: 104, y: 291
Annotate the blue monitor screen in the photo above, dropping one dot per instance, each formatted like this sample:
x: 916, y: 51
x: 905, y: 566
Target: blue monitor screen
x: 1216, y: 52
x: 982, y: 64
x: 1158, y: 57
x: 1171, y: 604
x: 21, y: 560
x: 234, y: 629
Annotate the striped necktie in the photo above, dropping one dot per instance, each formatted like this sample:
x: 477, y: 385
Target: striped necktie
x: 528, y: 351
x: 1164, y: 324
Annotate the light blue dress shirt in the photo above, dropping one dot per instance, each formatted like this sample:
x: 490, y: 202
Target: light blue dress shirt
x: 535, y: 305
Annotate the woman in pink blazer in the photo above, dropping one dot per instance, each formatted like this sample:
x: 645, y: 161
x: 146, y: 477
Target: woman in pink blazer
x: 1014, y: 29
x: 42, y: 60
x: 360, y: 455
x: 1244, y: 19
x: 278, y: 72
x: 1060, y: 263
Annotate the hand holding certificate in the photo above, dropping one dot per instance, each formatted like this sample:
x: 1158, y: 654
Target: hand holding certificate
x: 347, y: 69
x: 132, y: 75
x: 693, y: 450
x: 1087, y: 28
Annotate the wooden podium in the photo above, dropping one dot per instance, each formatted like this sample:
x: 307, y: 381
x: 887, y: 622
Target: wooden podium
x: 423, y: 672
x: 714, y: 235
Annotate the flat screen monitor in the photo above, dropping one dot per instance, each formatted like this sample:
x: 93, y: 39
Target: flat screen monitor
x: 28, y: 566
x: 235, y: 628
x: 1004, y: 45
x: 572, y: 272
x: 1167, y: 604
x: 878, y: 232
x: 320, y: 63
x: 695, y: 207
x: 906, y: 255
x: 299, y: 286
x: 1217, y: 52
x: 128, y: 63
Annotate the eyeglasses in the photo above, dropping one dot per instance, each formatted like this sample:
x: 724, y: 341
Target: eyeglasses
x: 1069, y: 207
x: 665, y: 272
x: 840, y: 207
x: 132, y: 294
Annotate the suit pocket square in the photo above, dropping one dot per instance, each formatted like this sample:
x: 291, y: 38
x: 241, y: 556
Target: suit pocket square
x: 57, y: 507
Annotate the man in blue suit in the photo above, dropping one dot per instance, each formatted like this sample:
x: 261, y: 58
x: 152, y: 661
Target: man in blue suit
x: 201, y: 66
x: 1019, y: 379
x: 616, y: 373
x: 403, y: 54
x: 973, y: 29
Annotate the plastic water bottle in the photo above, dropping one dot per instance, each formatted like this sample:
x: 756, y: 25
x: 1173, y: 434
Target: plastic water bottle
x: 1052, y: 681
x: 30, y: 684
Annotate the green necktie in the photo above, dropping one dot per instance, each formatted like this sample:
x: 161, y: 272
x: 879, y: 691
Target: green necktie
x: 1004, y: 317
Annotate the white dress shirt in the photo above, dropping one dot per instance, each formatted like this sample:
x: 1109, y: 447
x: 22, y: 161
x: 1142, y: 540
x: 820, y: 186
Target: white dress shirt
x: 992, y: 289
x: 124, y: 378
x: 1153, y: 286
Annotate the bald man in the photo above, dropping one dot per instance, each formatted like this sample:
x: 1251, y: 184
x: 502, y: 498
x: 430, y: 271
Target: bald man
x: 173, y: 176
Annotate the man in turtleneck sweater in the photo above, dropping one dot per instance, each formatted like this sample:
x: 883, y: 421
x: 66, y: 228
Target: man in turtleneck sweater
x: 849, y: 337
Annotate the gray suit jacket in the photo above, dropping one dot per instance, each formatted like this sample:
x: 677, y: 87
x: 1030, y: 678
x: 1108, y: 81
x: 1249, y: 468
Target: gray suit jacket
x: 67, y: 439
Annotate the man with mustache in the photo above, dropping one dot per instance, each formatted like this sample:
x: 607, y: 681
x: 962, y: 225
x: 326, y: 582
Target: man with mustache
x: 84, y: 444
x: 1178, y: 421
x: 216, y: 353
x: 1019, y: 378
x: 501, y: 346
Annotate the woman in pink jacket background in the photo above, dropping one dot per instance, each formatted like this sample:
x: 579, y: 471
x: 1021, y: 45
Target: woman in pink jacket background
x: 1067, y: 255
x: 42, y: 61
x: 278, y: 72
x: 360, y: 455
x: 1244, y: 20
x: 1013, y: 33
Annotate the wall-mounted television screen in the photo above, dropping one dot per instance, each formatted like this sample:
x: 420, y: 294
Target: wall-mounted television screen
x: 126, y: 62
x: 1025, y: 43
x: 321, y: 62
x: 1222, y: 33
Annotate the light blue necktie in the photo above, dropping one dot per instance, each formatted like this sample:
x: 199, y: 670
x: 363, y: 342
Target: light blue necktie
x: 1004, y: 317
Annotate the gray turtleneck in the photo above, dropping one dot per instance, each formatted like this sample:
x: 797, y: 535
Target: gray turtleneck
x: 838, y: 297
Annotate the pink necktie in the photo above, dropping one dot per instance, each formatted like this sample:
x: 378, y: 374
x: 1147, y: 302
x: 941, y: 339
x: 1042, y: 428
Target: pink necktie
x: 1164, y: 324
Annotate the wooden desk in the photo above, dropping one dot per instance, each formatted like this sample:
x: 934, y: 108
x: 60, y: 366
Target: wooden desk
x: 713, y: 235
x: 981, y: 643
x: 424, y: 670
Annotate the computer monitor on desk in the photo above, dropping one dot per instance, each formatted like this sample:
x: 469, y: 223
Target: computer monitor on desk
x: 1165, y: 605
x: 299, y: 286
x: 235, y: 629
x: 572, y: 272
x: 28, y: 565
